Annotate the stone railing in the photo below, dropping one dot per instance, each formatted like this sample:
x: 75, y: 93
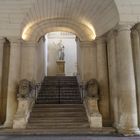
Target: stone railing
x: 91, y: 104
x: 26, y: 98
x: 93, y: 114
x: 81, y: 85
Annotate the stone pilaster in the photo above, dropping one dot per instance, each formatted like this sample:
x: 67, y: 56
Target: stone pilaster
x: 102, y: 77
x: 136, y: 59
x: 28, y: 60
x: 111, y: 49
x: 14, y: 74
x: 128, y: 120
x: 88, y: 60
x: 1, y: 62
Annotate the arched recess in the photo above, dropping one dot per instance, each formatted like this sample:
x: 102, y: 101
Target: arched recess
x: 33, y: 31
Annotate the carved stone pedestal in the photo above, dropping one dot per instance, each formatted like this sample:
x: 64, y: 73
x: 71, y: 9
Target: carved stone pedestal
x: 94, y: 116
x: 60, y: 67
x: 23, y: 112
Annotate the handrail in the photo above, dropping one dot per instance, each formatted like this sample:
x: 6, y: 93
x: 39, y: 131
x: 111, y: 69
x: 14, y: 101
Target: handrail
x: 37, y: 88
x: 81, y: 87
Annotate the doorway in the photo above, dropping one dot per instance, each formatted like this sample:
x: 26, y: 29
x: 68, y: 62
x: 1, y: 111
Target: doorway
x: 53, y: 42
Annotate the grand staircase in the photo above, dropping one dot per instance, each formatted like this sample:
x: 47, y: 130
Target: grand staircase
x: 59, y: 90
x: 59, y: 106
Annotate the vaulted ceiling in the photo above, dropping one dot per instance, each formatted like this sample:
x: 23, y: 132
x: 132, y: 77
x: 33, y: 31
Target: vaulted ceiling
x: 82, y: 17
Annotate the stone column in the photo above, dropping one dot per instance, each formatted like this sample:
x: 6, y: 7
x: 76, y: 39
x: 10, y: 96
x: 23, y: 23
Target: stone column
x: 1, y: 60
x: 136, y: 59
x: 88, y: 60
x: 102, y: 77
x: 111, y: 49
x: 14, y: 74
x: 128, y: 121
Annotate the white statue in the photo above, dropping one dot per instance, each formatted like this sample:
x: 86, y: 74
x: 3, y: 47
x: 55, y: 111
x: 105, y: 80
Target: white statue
x: 61, y: 54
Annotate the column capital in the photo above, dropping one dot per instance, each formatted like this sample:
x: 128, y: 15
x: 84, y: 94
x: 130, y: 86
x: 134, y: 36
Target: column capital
x: 77, y: 39
x: 2, y: 39
x: 123, y: 27
x: 137, y: 27
x: 13, y: 39
x: 29, y: 43
x: 86, y: 43
x: 111, y: 34
x: 100, y: 40
x: 134, y: 32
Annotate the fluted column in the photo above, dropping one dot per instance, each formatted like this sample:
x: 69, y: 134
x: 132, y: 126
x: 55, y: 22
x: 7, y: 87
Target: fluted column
x: 136, y: 60
x: 102, y: 77
x: 88, y: 60
x: 128, y: 121
x: 14, y: 74
x: 1, y: 60
x: 111, y: 49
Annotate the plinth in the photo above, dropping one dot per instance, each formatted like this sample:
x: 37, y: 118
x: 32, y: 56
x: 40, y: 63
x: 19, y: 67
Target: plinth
x: 94, y: 116
x: 60, y: 67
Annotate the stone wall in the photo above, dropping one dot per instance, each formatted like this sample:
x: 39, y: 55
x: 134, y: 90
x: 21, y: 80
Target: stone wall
x: 40, y: 60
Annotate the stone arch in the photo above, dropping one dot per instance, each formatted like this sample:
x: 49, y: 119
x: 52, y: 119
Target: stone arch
x: 34, y: 31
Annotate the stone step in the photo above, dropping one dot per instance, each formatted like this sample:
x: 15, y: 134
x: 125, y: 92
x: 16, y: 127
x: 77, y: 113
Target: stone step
x: 70, y: 93
x: 59, y: 98
x: 59, y: 126
x: 58, y: 109
x: 57, y: 114
x: 58, y: 120
x: 57, y: 94
x: 48, y: 113
x: 61, y: 118
x: 57, y: 90
x: 46, y: 82
x: 58, y: 101
x: 59, y: 106
x: 59, y: 78
x: 62, y: 87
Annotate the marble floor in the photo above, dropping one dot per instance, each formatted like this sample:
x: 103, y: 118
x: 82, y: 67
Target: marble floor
x: 67, y: 138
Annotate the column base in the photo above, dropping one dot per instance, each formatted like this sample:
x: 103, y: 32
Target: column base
x: 129, y: 132
x: 8, y: 124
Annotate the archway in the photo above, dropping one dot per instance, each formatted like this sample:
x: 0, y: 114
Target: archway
x: 33, y: 31
x: 54, y: 41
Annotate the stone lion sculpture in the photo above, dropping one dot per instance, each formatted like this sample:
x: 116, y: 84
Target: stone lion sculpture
x: 92, y: 88
x: 25, y: 88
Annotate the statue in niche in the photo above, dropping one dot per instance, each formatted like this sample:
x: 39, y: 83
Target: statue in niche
x: 25, y: 88
x: 92, y: 88
x: 61, y: 53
